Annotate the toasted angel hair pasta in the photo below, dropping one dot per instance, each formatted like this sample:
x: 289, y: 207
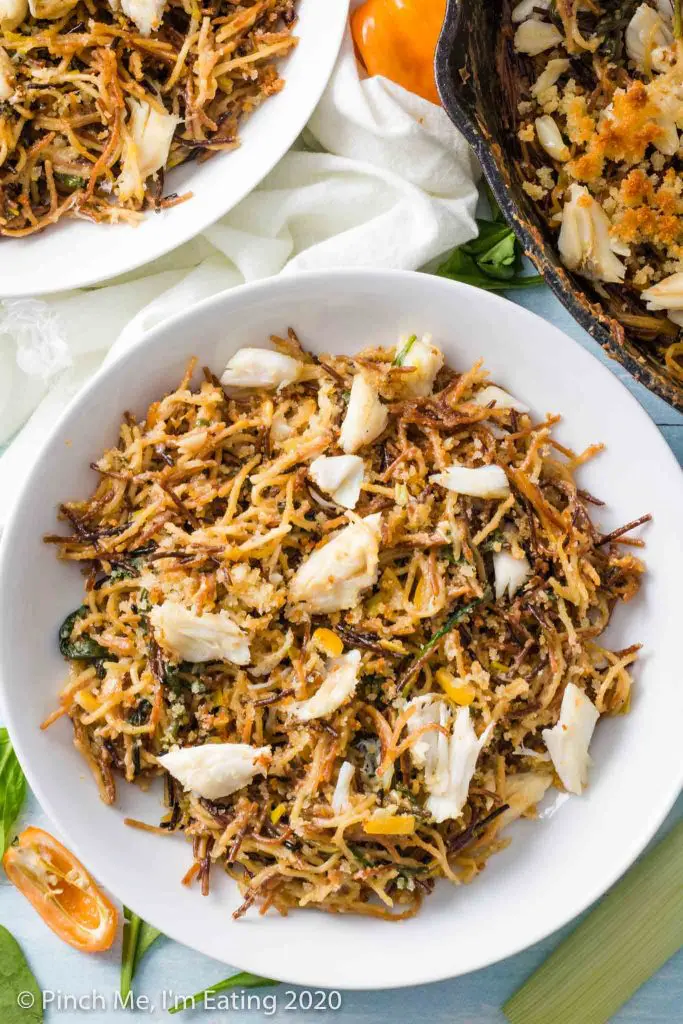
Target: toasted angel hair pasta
x: 368, y: 694
x: 99, y: 97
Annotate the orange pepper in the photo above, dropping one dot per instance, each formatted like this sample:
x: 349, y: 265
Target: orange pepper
x: 61, y: 890
x: 390, y: 825
x: 397, y: 39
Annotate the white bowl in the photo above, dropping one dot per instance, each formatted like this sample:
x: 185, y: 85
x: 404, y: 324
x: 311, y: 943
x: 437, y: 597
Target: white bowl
x: 554, y: 867
x: 75, y: 253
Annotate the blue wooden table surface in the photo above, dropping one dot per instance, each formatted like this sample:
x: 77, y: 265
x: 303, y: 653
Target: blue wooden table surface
x: 476, y: 999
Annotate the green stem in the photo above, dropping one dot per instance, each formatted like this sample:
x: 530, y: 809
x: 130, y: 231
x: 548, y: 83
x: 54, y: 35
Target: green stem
x: 131, y: 933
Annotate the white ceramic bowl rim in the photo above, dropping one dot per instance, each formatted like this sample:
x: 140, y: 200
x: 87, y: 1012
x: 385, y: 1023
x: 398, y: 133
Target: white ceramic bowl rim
x: 461, y: 306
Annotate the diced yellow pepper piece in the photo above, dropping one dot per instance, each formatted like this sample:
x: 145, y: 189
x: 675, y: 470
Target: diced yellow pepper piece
x: 390, y: 825
x: 328, y: 642
x: 460, y: 693
x: 87, y: 701
x: 277, y: 813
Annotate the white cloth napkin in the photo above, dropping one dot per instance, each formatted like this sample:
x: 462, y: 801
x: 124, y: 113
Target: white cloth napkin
x: 380, y: 178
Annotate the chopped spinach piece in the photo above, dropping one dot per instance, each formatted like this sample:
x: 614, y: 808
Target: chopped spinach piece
x: 83, y: 647
x: 122, y: 572
x: 140, y: 712
x: 174, y: 674
x: 72, y: 181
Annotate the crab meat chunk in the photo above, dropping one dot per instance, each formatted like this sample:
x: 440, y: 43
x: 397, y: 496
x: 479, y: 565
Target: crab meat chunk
x: 338, y: 686
x: 481, y: 482
x: 427, y: 360
x: 647, y: 39
x: 499, y: 399
x: 534, y: 37
x: 510, y: 573
x: 448, y: 755
x: 341, y: 798
x: 213, y: 636
x: 666, y: 294
x: 146, y: 14
x: 146, y: 147
x: 216, y: 770
x: 334, y: 576
x: 569, y: 739
x: 12, y: 13
x: 550, y: 138
x: 260, y: 368
x: 366, y: 416
x: 340, y: 476
x: 584, y: 241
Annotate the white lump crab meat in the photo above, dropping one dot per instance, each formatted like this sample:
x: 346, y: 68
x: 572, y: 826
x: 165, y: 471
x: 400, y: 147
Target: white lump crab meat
x: 338, y: 686
x: 550, y: 138
x: 146, y: 14
x: 479, y: 482
x: 667, y: 294
x: 339, y: 476
x: 497, y: 398
x: 533, y: 37
x: 216, y: 770
x: 146, y: 147
x: 648, y: 38
x: 528, y: 9
x: 333, y: 577
x: 549, y: 76
x: 584, y: 241
x: 260, y: 368
x: 341, y: 798
x: 366, y: 416
x: 213, y: 636
x: 12, y: 13
x: 569, y: 739
x: 510, y: 573
x: 449, y: 760
x: 426, y: 360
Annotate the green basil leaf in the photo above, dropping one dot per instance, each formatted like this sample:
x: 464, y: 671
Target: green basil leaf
x: 501, y: 257
x: 12, y: 789
x: 492, y: 260
x: 83, y: 647
x: 21, y: 1001
x: 489, y: 235
x: 242, y: 980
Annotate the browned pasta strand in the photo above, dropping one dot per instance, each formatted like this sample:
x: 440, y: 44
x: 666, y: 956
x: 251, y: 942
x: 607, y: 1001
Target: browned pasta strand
x: 208, y: 500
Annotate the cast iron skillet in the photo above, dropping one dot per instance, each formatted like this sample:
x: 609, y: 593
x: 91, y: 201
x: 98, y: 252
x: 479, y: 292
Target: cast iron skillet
x: 475, y: 74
